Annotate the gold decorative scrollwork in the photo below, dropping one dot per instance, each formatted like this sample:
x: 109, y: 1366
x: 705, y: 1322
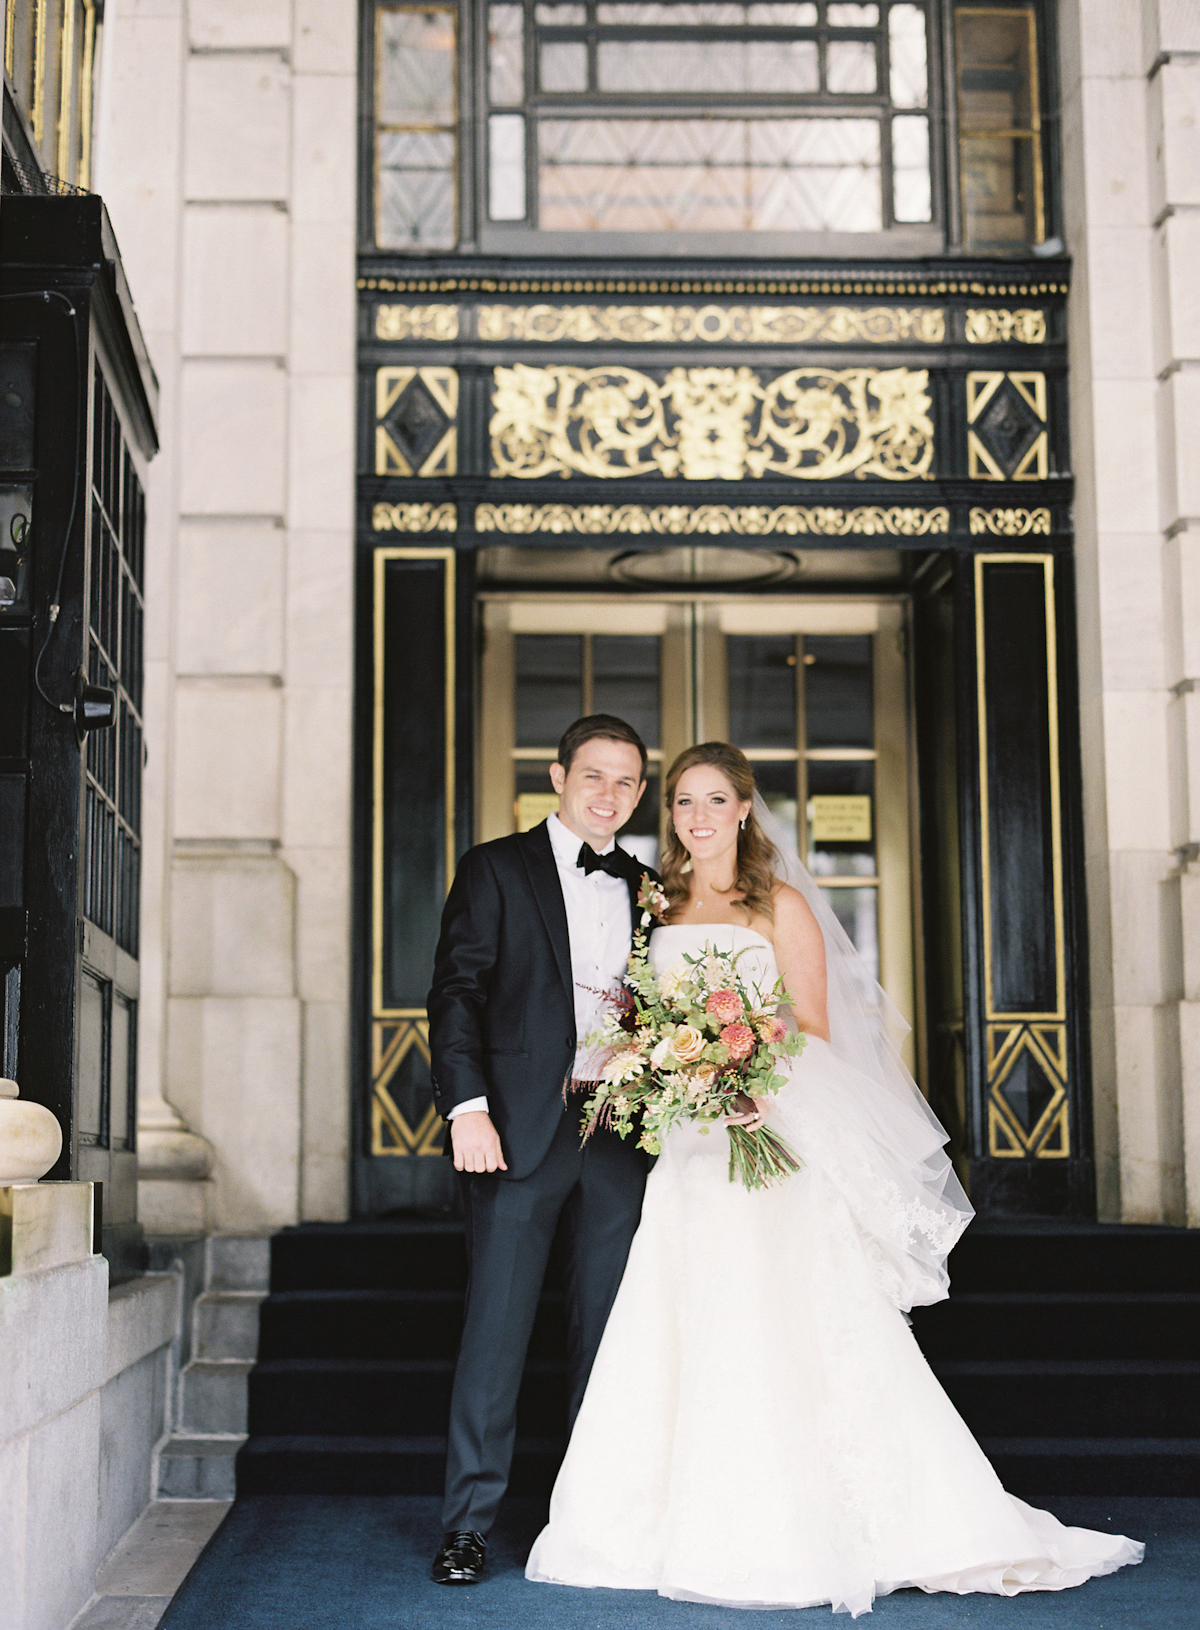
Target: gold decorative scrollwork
x: 1027, y: 326
x: 743, y: 520
x: 416, y: 322
x: 684, y: 325
x: 705, y: 424
x: 414, y: 518
x: 1010, y: 523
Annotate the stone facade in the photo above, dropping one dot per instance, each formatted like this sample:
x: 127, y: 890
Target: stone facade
x: 232, y: 189
x: 80, y: 1419
x: 1130, y: 79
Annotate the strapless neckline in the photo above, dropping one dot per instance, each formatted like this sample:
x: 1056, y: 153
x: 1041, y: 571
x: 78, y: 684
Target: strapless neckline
x: 691, y: 928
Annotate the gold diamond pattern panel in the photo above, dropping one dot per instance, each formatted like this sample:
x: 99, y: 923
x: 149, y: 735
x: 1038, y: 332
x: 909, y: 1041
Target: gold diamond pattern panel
x: 744, y: 520
x: 685, y: 325
x: 392, y: 1040
x: 1006, y: 416
x: 416, y: 412
x: 1027, y: 1091
x: 707, y: 424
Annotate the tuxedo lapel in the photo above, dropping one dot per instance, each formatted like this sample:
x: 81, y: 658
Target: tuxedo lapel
x: 634, y: 872
x: 542, y: 869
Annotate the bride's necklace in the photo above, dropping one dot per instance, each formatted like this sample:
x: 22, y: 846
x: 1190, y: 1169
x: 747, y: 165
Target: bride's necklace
x: 718, y: 898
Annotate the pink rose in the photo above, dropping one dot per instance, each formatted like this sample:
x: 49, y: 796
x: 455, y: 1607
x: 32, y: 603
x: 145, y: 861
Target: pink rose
x: 772, y: 1029
x: 739, y: 1038
x: 725, y: 1005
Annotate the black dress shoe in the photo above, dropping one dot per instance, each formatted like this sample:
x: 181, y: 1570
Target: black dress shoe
x: 460, y: 1560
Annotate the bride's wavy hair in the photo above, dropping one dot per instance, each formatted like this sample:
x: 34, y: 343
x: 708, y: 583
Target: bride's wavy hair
x: 756, y: 854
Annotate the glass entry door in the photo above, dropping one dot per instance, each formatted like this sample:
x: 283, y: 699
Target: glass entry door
x: 814, y: 691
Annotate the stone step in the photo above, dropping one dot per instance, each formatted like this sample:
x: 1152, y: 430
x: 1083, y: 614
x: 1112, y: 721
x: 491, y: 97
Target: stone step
x: 213, y: 1395
x: 238, y: 1262
x: 194, y: 1467
x: 1032, y: 1467
x: 1060, y: 1325
x: 1147, y: 1399
x: 351, y: 1397
x: 379, y: 1465
x: 225, y: 1324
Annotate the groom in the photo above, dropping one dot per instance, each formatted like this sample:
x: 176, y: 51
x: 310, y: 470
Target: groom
x: 536, y: 927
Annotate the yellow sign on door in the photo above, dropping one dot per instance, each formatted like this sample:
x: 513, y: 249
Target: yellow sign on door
x: 533, y: 807
x: 840, y: 818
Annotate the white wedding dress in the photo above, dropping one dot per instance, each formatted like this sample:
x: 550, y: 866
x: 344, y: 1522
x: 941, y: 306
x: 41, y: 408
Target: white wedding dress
x: 760, y: 1428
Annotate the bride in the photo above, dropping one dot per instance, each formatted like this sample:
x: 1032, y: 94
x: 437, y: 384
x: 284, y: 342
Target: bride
x: 760, y: 1428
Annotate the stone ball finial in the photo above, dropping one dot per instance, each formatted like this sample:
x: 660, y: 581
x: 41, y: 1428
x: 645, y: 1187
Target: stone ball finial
x: 30, y: 1137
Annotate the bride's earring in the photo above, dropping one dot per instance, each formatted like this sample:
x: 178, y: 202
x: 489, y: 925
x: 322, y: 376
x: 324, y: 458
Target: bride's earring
x: 742, y: 824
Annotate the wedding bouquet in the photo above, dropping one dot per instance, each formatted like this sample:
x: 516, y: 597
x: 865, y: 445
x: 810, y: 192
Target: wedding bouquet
x: 695, y: 1043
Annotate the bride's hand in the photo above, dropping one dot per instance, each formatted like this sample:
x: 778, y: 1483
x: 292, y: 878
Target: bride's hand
x: 752, y: 1115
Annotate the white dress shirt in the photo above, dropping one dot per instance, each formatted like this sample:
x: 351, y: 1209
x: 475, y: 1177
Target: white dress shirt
x: 600, y: 931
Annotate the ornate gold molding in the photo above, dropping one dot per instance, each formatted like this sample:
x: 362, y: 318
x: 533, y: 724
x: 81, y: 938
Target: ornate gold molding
x: 1010, y: 523
x: 711, y: 424
x: 416, y: 322
x: 1025, y: 326
x: 890, y: 285
x: 713, y: 520
x: 682, y: 325
x: 414, y: 518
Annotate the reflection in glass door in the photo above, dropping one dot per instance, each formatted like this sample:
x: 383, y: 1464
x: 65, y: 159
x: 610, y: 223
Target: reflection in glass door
x: 546, y: 664
x: 813, y: 691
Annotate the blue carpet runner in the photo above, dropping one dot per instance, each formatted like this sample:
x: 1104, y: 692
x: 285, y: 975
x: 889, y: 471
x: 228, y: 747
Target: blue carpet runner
x: 321, y: 1562
x: 1073, y: 1353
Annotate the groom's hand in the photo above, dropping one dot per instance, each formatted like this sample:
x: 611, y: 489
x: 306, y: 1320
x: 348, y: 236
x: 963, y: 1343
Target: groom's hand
x: 476, y: 1143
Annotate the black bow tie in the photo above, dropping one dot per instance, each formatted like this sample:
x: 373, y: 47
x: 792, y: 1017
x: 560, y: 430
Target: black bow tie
x: 613, y: 862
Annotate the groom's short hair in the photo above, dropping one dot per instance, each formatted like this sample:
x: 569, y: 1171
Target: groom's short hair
x: 599, y: 724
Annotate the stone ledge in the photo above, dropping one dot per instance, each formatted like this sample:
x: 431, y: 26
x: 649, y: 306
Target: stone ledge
x: 45, y: 1225
x: 143, y: 1315
x: 53, y: 1334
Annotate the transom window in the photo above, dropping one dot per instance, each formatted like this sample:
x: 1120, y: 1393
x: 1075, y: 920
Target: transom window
x: 781, y: 115
x: 643, y: 120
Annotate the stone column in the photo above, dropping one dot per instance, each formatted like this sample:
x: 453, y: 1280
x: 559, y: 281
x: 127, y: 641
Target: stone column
x: 1130, y: 159
x: 241, y: 208
x: 138, y: 157
x: 1171, y: 61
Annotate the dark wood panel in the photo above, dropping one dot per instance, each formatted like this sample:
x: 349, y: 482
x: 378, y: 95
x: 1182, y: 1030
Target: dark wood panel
x: 1021, y: 812
x: 413, y: 747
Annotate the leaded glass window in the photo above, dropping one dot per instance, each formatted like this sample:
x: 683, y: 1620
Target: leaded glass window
x: 999, y: 127
x: 707, y: 121
x: 416, y: 127
x: 661, y: 116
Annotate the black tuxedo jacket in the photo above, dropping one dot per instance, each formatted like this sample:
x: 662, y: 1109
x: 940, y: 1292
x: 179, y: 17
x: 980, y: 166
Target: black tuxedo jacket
x: 502, y: 1006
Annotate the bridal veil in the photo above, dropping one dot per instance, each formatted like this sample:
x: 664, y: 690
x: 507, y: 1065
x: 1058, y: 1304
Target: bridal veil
x: 880, y: 1142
